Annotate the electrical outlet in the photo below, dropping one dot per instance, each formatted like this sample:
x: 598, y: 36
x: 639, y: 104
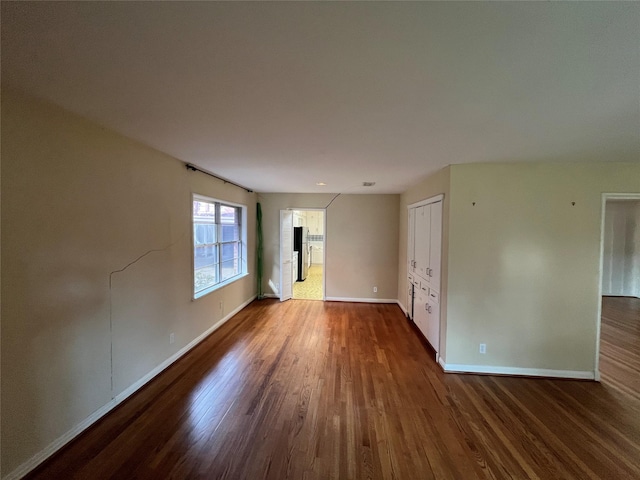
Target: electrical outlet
x: 483, y: 348
x: 375, y: 289
x: 172, y: 338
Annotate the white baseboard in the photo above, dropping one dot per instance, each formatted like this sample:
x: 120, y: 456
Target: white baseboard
x: 361, y: 300
x: 516, y: 371
x: 136, y: 386
x: 61, y: 441
x: 357, y: 300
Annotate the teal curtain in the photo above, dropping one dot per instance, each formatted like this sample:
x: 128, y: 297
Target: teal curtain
x: 259, y: 249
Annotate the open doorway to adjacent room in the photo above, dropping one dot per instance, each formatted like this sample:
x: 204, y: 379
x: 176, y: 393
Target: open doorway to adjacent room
x: 619, y: 332
x: 302, y: 254
x: 309, y: 229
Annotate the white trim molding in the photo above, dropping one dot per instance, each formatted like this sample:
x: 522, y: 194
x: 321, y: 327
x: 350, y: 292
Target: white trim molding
x: 61, y: 441
x: 516, y: 371
x: 426, y: 201
x: 361, y: 300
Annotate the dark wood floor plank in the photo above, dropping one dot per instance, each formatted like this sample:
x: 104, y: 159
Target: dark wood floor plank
x: 313, y: 390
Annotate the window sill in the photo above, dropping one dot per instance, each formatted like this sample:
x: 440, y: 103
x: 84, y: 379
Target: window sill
x: 218, y: 286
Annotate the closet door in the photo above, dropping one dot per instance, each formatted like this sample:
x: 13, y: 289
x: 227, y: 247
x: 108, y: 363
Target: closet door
x: 420, y: 313
x: 435, y: 245
x: 410, y: 299
x: 433, y: 320
x: 411, y: 259
x: 425, y: 242
x: 422, y: 244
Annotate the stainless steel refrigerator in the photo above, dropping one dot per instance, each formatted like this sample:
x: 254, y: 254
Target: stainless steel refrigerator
x: 301, y: 246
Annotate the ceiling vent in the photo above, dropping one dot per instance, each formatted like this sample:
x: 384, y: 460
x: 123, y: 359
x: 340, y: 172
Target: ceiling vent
x: 368, y: 184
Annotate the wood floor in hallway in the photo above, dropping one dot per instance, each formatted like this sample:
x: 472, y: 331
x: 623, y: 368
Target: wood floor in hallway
x: 322, y: 390
x: 620, y: 344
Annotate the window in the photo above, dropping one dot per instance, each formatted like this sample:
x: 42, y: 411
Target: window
x: 219, y: 244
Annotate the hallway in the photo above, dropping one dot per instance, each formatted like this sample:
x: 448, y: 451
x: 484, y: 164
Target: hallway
x: 620, y: 344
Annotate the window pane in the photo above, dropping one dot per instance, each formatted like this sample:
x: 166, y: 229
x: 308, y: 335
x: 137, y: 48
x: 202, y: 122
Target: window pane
x: 230, y: 233
x: 205, y: 267
x: 230, y: 251
x: 229, y: 215
x: 205, y: 278
x: 205, y: 256
x: 204, y: 233
x: 230, y: 269
x: 204, y: 210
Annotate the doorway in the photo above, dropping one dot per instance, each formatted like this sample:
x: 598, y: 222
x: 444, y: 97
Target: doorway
x: 618, y: 355
x: 306, y: 256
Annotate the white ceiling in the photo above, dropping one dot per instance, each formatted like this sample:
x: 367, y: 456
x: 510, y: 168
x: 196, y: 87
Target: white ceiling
x: 279, y: 96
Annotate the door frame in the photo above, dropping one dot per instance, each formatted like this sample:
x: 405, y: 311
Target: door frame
x: 324, y: 245
x: 605, y: 197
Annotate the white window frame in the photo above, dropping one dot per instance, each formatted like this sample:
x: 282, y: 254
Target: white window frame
x: 243, y: 244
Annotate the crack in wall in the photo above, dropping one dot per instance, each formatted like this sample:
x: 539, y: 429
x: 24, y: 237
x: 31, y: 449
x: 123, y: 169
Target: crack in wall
x: 120, y: 270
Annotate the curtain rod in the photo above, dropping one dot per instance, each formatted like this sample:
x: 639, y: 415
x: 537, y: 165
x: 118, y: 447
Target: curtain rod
x: 196, y: 169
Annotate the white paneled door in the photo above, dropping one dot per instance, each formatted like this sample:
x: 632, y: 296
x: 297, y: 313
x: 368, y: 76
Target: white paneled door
x: 424, y: 257
x: 422, y: 240
x: 435, y: 245
x: 411, y: 263
x: 286, y: 255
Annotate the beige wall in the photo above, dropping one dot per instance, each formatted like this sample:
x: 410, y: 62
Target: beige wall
x: 523, y: 263
x: 80, y: 202
x: 361, y: 241
x: 435, y: 184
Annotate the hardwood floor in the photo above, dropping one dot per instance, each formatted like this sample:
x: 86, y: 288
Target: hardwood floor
x: 620, y: 344
x: 315, y: 390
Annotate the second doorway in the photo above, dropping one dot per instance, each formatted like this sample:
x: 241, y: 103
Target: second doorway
x: 308, y: 254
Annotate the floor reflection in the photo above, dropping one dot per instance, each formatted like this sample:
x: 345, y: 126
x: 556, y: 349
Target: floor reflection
x: 216, y: 392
